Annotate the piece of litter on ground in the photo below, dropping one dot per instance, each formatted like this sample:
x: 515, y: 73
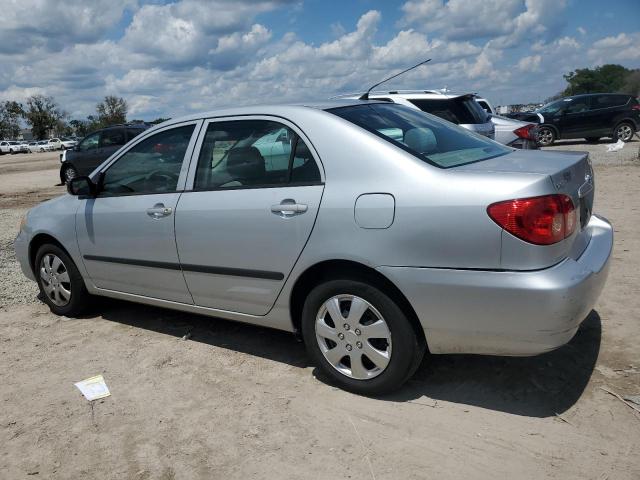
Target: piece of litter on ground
x: 614, y: 147
x: 633, y: 399
x: 626, y: 402
x: 93, y: 388
x: 186, y: 336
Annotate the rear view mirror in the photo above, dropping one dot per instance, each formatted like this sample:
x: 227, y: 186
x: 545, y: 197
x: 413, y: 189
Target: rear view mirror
x: 81, y: 186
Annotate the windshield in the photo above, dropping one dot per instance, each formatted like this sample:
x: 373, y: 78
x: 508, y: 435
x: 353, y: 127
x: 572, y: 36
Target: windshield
x: 428, y: 138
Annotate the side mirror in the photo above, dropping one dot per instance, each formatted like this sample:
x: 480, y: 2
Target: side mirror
x: 82, y: 186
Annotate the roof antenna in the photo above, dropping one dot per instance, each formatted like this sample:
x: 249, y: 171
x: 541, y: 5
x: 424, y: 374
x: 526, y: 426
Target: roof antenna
x: 365, y: 95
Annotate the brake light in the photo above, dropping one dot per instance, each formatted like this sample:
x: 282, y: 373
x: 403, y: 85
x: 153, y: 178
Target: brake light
x: 635, y: 107
x: 539, y: 220
x: 525, y: 132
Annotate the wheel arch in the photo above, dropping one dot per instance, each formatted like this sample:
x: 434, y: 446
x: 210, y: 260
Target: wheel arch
x: 628, y: 120
x: 37, y: 241
x: 335, y: 269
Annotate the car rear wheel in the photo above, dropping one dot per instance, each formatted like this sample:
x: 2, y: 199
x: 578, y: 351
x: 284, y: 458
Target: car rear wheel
x: 360, y: 337
x: 546, y: 136
x: 60, y: 282
x: 624, y: 132
x: 69, y: 173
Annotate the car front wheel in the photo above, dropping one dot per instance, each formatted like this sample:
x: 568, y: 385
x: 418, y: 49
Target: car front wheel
x: 546, y: 136
x: 61, y: 285
x: 360, y: 337
x: 624, y: 132
x: 69, y: 173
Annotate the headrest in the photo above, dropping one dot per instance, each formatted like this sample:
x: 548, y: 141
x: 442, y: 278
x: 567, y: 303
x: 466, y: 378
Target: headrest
x: 245, y: 163
x: 421, y: 140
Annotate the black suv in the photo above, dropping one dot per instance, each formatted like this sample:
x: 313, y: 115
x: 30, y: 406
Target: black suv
x: 589, y: 116
x: 95, y: 148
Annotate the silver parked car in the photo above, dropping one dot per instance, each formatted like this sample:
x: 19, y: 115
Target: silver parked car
x: 375, y: 230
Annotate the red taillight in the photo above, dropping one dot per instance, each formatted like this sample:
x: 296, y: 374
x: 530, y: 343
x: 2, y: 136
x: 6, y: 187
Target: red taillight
x: 525, y: 132
x: 540, y: 220
x: 635, y: 107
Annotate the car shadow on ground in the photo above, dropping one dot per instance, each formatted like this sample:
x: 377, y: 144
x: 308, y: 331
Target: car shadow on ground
x: 250, y: 339
x: 540, y: 386
x: 582, y: 141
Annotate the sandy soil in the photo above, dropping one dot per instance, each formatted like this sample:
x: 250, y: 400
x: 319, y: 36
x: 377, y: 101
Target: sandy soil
x: 237, y: 401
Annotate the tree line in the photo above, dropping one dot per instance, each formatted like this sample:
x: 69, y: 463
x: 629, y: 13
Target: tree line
x: 45, y: 117
x: 609, y: 78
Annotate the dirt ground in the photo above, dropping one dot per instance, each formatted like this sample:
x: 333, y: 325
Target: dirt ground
x: 237, y: 401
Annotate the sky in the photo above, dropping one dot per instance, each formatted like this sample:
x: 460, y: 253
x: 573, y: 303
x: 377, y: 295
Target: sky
x: 169, y: 58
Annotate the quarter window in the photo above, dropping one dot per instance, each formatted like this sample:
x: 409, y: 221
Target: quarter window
x: 607, y: 101
x: 249, y: 153
x: 151, y: 166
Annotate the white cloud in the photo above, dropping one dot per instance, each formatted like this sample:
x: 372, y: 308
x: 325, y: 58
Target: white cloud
x: 621, y: 48
x: 530, y: 63
x: 41, y: 23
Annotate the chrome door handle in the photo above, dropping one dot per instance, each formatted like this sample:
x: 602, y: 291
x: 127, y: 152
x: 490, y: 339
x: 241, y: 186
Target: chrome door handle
x: 289, y: 208
x: 159, y: 211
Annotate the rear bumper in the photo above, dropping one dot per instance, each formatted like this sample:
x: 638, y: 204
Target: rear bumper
x: 507, y: 313
x: 524, y: 144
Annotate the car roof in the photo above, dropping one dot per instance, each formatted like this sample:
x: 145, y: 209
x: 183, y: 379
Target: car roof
x: 272, y: 109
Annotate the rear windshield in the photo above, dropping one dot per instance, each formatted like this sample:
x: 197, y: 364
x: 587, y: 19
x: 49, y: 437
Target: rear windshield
x: 424, y: 136
x: 461, y: 110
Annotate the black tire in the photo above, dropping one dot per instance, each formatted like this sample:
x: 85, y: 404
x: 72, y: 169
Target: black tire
x: 79, y: 298
x: 624, y: 131
x: 546, y: 136
x: 592, y: 139
x: 407, y: 348
x: 68, y: 172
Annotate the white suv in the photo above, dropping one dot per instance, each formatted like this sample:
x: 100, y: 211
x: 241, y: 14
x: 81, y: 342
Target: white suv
x: 461, y: 109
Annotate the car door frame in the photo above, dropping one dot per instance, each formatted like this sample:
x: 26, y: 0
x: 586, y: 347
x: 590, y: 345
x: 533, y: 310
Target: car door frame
x: 96, y: 178
x: 190, y: 183
x: 191, y: 174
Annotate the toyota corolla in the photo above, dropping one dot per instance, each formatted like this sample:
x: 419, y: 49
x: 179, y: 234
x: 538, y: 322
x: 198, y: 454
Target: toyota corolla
x: 375, y: 231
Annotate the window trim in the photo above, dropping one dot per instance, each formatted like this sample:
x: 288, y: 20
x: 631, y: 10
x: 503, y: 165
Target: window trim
x: 101, y: 169
x: 191, y: 175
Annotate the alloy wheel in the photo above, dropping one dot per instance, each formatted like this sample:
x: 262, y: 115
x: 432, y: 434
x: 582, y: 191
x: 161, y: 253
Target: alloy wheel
x: 545, y: 136
x: 624, y: 132
x: 353, y: 337
x: 70, y: 173
x: 55, y: 280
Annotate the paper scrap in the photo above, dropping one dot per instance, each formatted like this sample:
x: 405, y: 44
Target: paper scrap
x: 93, y: 388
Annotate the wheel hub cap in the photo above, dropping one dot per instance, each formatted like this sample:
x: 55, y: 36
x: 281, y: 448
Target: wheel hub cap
x: 353, y: 337
x: 55, y: 280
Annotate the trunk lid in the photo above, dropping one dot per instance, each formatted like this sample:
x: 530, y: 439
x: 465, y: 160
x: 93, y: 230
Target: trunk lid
x: 570, y: 173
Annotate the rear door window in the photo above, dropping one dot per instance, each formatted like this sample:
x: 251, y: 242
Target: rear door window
x: 253, y: 153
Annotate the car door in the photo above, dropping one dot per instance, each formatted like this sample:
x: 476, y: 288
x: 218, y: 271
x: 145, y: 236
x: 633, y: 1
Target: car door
x: 84, y: 156
x: 576, y: 120
x: 126, y: 234
x: 605, y: 110
x: 242, y: 226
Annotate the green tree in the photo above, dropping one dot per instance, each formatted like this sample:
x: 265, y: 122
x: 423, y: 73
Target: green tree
x: 632, y: 83
x: 606, y: 78
x: 10, y: 114
x: 79, y: 127
x: 112, y: 110
x: 42, y: 114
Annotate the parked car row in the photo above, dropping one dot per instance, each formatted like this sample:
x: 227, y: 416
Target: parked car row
x: 589, y: 116
x: 33, y: 146
x: 466, y: 110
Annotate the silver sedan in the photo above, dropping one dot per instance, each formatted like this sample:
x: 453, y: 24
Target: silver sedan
x: 375, y: 231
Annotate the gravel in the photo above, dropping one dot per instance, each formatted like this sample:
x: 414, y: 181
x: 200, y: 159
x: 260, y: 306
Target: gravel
x: 15, y: 287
